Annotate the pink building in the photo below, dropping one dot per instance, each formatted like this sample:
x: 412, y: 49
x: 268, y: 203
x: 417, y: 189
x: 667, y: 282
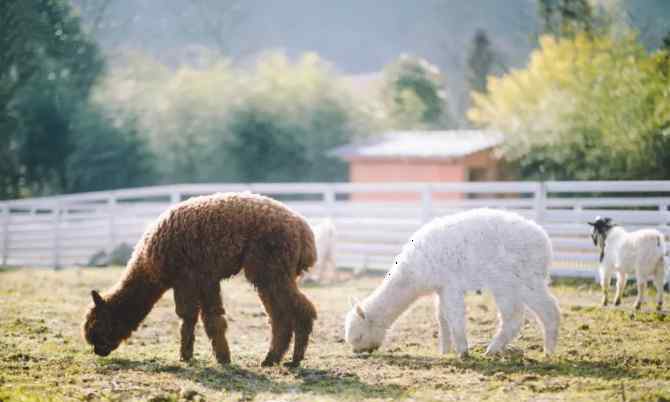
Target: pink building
x: 427, y: 156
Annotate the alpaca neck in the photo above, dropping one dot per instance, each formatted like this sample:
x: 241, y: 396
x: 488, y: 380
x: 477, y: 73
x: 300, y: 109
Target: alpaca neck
x: 390, y: 299
x: 134, y: 297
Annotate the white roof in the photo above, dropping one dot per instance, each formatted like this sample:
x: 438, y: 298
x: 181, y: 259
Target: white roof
x: 421, y: 144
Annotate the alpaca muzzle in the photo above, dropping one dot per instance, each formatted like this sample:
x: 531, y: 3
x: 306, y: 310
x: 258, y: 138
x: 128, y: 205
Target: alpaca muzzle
x: 101, y: 351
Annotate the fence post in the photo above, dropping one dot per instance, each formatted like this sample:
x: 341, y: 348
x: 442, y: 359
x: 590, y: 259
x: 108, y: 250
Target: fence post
x: 540, y: 202
x: 426, y: 203
x: 56, y: 236
x: 111, y: 211
x: 4, y: 222
x: 329, y: 201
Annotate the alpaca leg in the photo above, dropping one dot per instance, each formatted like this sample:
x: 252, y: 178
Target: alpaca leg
x: 659, y: 278
x: 455, y: 315
x: 304, y: 314
x: 605, y: 278
x: 510, y: 317
x: 641, y: 287
x: 545, y: 307
x: 445, y: 344
x: 282, y: 321
x: 212, y: 313
x: 186, y: 307
x: 621, y: 279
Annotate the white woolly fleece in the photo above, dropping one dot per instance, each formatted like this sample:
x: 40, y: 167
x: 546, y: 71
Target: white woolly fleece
x: 481, y: 248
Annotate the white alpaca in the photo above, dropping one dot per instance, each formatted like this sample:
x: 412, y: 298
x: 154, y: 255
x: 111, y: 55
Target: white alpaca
x: 325, y: 237
x: 641, y: 253
x: 482, y: 248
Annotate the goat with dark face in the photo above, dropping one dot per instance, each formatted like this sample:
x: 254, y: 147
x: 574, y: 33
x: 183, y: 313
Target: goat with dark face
x: 640, y: 253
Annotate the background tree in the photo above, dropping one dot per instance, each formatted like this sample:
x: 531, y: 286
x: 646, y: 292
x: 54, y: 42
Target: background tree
x: 106, y: 156
x: 562, y: 120
x: 292, y: 115
x: 52, y: 65
x: 414, y: 95
x: 273, y: 122
x: 565, y: 17
x: 480, y: 62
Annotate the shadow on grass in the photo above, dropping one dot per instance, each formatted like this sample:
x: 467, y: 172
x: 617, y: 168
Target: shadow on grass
x: 515, y: 364
x: 250, y: 383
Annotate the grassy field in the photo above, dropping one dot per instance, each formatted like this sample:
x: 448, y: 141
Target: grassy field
x: 603, y: 354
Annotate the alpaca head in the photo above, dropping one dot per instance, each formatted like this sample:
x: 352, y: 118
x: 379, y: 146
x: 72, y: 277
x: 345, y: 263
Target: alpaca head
x: 361, y: 332
x: 100, y: 329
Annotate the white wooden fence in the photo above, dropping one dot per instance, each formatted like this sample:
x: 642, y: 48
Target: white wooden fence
x: 67, y: 230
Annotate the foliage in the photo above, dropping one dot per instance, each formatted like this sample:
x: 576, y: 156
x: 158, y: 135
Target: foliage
x: 565, y: 17
x: 414, y: 95
x: 44, y: 88
x: 106, y: 156
x: 222, y: 123
x: 48, y: 65
x: 292, y: 115
x: 480, y: 62
x: 588, y: 107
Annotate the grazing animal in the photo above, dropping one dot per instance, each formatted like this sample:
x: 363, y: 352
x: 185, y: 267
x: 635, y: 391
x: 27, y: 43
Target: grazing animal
x: 481, y: 248
x: 640, y: 252
x: 191, y: 248
x: 325, y: 236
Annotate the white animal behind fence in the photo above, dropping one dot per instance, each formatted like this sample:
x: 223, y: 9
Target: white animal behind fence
x: 482, y: 248
x: 325, y: 237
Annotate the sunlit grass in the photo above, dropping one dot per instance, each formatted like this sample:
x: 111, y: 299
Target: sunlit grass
x: 603, y: 354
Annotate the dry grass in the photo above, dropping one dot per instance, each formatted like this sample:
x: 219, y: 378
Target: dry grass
x: 604, y: 354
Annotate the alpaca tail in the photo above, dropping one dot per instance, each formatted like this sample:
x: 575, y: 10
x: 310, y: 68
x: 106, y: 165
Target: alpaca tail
x: 308, y: 255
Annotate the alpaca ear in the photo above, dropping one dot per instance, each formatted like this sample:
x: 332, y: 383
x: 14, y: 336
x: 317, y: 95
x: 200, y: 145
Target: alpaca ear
x: 353, y: 301
x: 591, y: 223
x: 97, y: 299
x: 360, y: 312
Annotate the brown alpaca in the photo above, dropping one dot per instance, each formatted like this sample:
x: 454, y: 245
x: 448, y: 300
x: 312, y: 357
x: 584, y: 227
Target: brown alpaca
x: 191, y: 248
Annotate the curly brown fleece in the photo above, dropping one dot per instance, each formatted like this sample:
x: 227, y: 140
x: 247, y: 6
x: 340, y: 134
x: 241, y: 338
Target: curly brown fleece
x: 191, y: 248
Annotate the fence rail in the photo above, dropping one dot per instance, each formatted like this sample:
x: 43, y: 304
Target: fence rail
x: 68, y: 229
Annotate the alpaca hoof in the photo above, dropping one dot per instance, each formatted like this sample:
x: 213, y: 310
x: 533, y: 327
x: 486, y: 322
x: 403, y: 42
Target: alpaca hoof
x: 463, y: 355
x: 292, y: 364
x: 638, y: 305
x: 269, y: 361
x: 617, y: 302
x: 659, y: 307
x: 223, y: 360
x: 604, y: 303
x: 185, y: 359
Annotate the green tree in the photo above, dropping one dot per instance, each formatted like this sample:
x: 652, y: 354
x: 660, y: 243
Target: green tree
x: 480, y: 62
x: 106, y: 156
x: 562, y: 118
x: 273, y: 122
x: 565, y: 17
x: 44, y: 55
x: 292, y: 115
x: 414, y: 95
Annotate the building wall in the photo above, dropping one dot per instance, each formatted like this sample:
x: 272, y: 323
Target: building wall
x: 479, y: 166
